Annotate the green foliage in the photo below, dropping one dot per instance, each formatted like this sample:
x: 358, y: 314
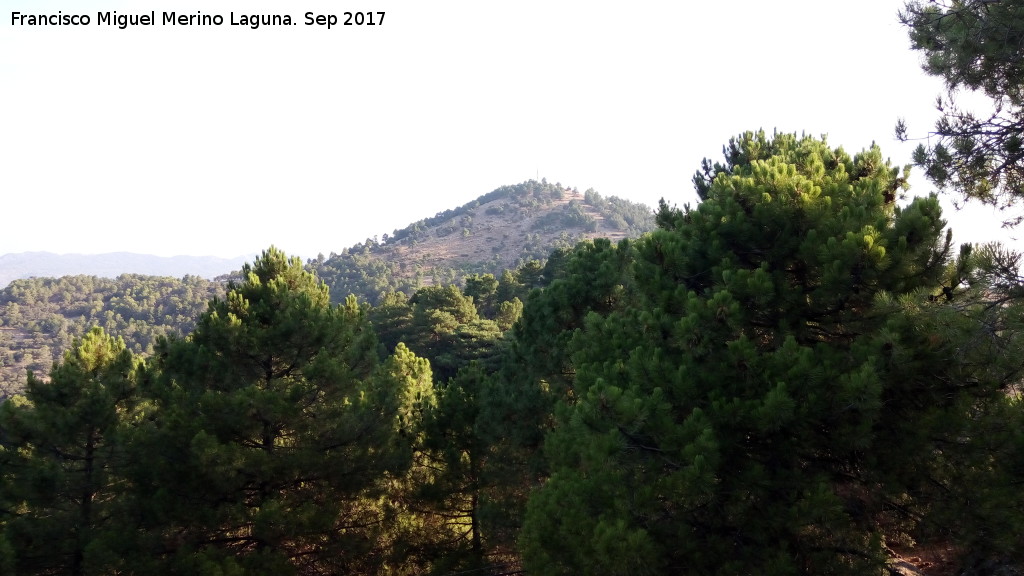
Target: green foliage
x: 970, y: 43
x: 63, y: 447
x: 392, y: 319
x: 482, y: 237
x: 361, y: 272
x: 42, y: 316
x: 572, y: 215
x: 517, y: 404
x: 275, y: 442
x: 277, y: 429
x: 446, y: 326
x: 442, y: 519
x: 482, y: 288
x: 416, y: 538
x: 454, y: 454
x: 973, y: 45
x: 509, y: 313
x: 778, y: 381
x: 622, y: 215
x: 771, y: 395
x: 441, y: 324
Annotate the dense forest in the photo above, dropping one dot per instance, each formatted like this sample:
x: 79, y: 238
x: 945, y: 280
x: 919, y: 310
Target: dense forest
x: 40, y: 317
x: 802, y: 374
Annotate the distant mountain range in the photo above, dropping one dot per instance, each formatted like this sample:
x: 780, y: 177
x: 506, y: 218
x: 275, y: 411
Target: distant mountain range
x: 112, y: 265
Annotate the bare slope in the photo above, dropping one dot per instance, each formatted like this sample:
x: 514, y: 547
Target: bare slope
x: 497, y: 231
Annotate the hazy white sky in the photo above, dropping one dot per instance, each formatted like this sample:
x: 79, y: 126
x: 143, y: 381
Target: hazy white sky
x: 222, y: 140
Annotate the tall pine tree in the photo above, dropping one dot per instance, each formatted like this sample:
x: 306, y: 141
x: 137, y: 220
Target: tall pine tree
x: 63, y: 447
x: 773, y: 400
x: 277, y: 432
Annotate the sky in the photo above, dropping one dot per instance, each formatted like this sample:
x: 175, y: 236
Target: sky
x: 224, y: 140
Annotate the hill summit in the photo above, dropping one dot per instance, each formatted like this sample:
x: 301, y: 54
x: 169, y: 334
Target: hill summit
x: 500, y: 230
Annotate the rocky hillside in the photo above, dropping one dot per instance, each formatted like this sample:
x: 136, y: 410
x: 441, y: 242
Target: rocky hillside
x: 499, y: 230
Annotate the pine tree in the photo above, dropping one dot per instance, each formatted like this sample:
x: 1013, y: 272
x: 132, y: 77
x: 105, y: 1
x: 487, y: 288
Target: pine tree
x: 448, y: 483
x: 277, y: 431
x: 973, y: 45
x: 443, y: 325
x: 482, y: 288
x: 773, y: 398
x: 517, y: 403
x: 413, y: 540
x: 63, y: 446
x: 446, y: 328
x: 392, y: 319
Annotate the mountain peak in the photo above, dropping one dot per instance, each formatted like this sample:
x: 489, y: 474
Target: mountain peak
x: 499, y: 230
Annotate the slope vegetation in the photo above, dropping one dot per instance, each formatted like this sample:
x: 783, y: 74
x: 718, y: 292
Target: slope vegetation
x: 40, y: 317
x: 499, y: 230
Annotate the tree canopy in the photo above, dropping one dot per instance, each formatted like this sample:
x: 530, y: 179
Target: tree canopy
x: 63, y: 456
x: 41, y: 317
x: 799, y: 375
x: 278, y: 430
x: 783, y: 392
x: 973, y: 45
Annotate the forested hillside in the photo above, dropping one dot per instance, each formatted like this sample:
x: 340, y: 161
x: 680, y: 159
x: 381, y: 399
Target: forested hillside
x: 801, y: 375
x: 502, y: 229
x: 511, y: 227
x: 39, y: 317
